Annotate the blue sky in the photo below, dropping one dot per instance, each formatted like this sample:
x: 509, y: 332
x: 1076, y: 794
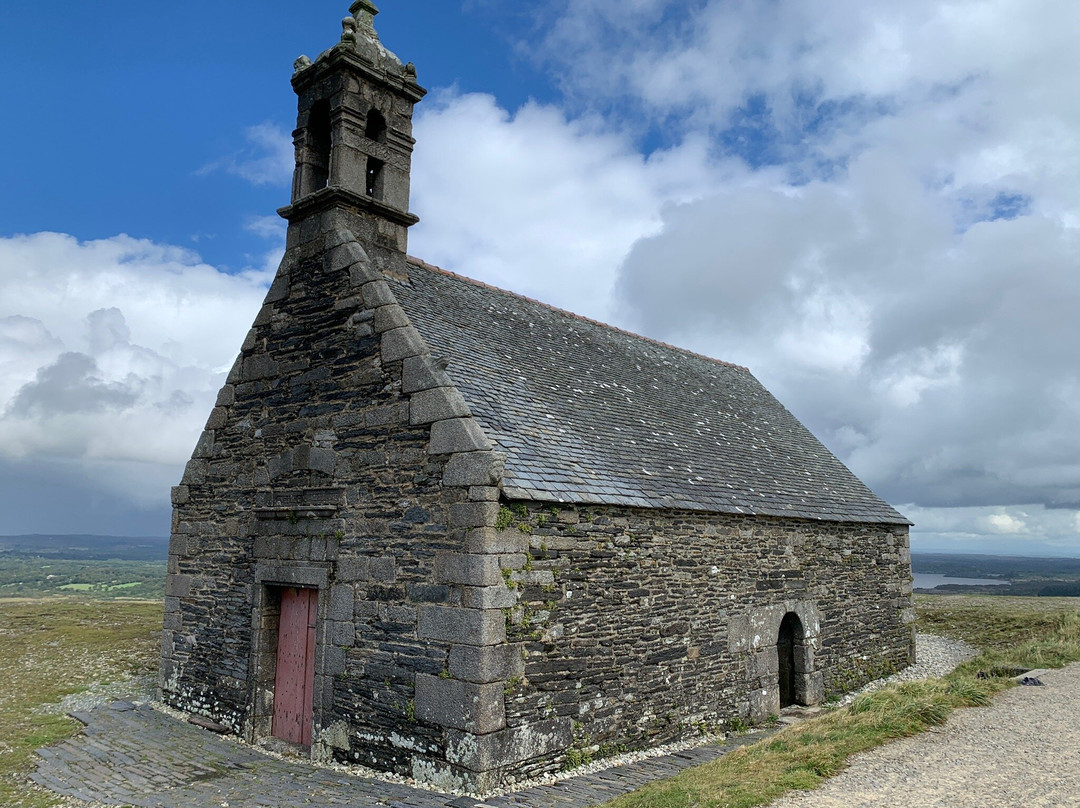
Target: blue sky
x: 873, y: 206
x: 120, y: 108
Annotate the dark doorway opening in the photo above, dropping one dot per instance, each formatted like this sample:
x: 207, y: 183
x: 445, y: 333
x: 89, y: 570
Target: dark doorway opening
x: 788, y: 642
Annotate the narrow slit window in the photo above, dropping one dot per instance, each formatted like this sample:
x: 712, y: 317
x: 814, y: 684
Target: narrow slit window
x: 319, y: 145
x: 374, y: 177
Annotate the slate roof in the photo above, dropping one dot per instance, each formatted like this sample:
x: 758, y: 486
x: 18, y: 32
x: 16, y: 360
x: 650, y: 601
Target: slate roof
x: 587, y: 413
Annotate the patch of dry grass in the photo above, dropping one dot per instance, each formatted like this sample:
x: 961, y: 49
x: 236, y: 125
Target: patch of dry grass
x: 50, y: 648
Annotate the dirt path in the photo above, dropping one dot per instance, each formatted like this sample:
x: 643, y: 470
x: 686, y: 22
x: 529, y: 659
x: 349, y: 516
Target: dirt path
x: 1023, y: 751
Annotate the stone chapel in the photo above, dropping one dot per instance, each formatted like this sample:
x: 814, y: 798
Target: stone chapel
x: 439, y: 529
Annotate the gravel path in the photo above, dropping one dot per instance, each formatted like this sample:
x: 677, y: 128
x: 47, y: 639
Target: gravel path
x: 1023, y: 750
x: 934, y: 656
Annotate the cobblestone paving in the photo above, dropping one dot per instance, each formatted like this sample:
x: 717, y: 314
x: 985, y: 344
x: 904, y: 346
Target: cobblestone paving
x: 138, y: 756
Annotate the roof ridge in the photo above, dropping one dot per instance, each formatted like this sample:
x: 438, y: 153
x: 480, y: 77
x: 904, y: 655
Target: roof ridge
x: 419, y: 262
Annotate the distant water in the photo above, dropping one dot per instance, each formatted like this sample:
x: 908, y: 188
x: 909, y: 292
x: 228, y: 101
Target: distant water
x: 924, y: 580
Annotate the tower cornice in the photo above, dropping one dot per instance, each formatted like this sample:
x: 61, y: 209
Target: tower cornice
x: 334, y: 196
x: 342, y: 55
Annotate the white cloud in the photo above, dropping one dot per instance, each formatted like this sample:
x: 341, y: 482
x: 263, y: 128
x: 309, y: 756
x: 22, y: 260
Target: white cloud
x: 896, y: 257
x: 266, y: 159
x: 1013, y: 530
x: 536, y: 202
x: 1005, y: 523
x: 111, y: 354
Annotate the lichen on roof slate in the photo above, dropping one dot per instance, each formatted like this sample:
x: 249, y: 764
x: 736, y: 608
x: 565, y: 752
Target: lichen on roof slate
x: 587, y: 413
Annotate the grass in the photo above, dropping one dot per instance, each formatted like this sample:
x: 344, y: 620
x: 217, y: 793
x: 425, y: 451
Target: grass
x: 50, y: 648
x: 1011, y: 633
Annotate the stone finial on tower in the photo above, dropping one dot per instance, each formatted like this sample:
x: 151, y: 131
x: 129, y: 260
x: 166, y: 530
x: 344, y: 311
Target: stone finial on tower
x: 364, y: 12
x: 353, y: 136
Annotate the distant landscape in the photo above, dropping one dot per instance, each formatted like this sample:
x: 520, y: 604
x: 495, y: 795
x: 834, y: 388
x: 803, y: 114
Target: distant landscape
x: 134, y: 567
x: 97, y: 566
x: 1039, y: 577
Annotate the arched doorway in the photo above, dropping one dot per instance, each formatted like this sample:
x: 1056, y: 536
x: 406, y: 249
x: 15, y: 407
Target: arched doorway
x: 788, y: 642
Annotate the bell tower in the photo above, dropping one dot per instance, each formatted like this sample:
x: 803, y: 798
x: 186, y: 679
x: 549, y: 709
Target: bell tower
x: 354, y: 142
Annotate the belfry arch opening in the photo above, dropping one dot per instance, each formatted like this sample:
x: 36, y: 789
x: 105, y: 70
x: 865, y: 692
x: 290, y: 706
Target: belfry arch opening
x: 319, y: 142
x: 790, y: 652
x: 375, y: 127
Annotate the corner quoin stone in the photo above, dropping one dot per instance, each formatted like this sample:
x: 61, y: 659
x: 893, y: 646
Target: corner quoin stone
x: 458, y: 626
x: 509, y: 746
x: 474, y: 708
x: 467, y: 569
x: 436, y: 404
x: 473, y: 468
x: 457, y: 435
x: 484, y: 664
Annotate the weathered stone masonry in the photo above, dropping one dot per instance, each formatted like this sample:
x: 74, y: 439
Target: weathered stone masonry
x: 339, y: 458
x: 531, y: 538
x: 642, y: 626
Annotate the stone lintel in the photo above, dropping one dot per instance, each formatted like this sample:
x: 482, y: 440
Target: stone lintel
x: 293, y: 573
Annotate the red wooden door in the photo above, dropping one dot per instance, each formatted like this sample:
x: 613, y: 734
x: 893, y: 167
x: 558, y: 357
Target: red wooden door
x: 294, y: 681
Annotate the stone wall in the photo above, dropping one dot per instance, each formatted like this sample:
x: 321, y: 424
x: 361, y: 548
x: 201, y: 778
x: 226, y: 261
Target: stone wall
x: 340, y: 457
x: 641, y: 626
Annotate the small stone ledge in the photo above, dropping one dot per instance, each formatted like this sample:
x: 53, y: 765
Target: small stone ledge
x: 292, y: 513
